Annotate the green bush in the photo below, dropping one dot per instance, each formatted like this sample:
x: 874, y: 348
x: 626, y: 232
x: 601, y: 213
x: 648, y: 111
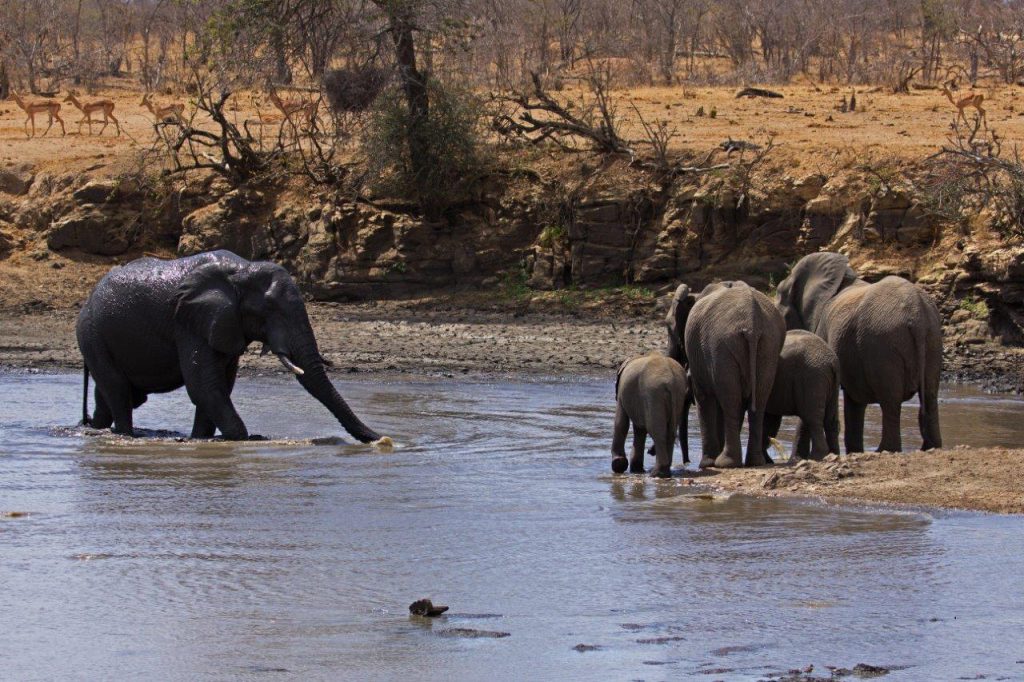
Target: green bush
x: 451, y: 161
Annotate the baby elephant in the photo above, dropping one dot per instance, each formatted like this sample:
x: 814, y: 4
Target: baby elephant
x: 651, y: 392
x: 807, y: 386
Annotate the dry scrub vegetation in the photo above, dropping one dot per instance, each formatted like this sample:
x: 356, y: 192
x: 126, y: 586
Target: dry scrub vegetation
x: 337, y: 90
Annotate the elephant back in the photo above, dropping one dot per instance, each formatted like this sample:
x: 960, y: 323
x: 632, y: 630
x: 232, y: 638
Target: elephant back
x: 885, y: 332
x: 736, y: 330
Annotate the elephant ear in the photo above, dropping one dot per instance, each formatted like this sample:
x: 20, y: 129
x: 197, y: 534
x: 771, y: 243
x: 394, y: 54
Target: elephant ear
x: 817, y: 279
x: 675, y: 322
x: 618, y: 376
x: 207, y: 303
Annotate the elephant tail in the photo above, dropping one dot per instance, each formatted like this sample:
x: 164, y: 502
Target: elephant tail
x: 85, y: 395
x: 922, y: 363
x: 752, y: 339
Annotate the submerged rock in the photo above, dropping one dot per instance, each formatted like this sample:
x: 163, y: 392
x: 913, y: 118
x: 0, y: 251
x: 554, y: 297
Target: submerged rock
x: 425, y: 607
x: 473, y: 633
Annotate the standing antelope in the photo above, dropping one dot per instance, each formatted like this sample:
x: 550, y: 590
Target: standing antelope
x: 291, y: 107
x: 104, y: 106
x: 972, y: 99
x: 169, y: 112
x: 48, y: 106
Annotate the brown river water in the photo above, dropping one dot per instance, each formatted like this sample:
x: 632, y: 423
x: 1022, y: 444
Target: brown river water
x: 156, y: 559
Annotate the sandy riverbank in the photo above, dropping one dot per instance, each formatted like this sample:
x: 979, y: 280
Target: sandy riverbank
x: 981, y: 479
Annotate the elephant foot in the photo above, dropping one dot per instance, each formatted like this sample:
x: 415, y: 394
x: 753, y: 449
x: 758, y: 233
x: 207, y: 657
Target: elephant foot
x: 706, y: 462
x: 658, y: 472
x: 256, y: 436
x: 619, y: 465
x: 636, y: 467
x: 727, y: 462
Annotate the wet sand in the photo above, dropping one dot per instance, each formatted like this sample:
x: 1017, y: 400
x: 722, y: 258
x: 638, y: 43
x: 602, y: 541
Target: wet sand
x: 980, y: 479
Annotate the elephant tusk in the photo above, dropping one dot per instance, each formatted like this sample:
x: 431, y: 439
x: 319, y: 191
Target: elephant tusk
x: 290, y: 365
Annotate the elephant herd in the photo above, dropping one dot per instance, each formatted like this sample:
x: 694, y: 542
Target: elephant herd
x: 152, y: 326
x: 730, y: 352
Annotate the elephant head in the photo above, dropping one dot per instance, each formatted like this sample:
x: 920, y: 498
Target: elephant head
x: 230, y: 304
x: 675, y: 322
x: 813, y: 282
x: 679, y: 313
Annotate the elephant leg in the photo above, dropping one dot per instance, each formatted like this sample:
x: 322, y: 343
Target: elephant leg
x: 116, y: 396
x: 202, y: 426
x: 772, y: 424
x: 102, y: 417
x: 891, y: 441
x: 684, y: 436
x: 206, y: 382
x: 663, y: 432
x: 801, y: 441
x: 818, y: 442
x: 853, y: 417
x: 708, y: 413
x: 732, y: 422
x: 831, y: 425
x: 619, y: 433
x: 928, y: 420
x: 636, y: 462
x: 756, y: 455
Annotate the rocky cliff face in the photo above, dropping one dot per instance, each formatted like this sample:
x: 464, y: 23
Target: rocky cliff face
x: 628, y: 229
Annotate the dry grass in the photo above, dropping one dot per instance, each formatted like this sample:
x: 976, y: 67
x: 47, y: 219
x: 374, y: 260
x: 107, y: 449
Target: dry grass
x: 905, y: 127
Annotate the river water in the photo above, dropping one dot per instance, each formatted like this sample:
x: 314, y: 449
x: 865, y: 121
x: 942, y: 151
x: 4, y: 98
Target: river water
x: 154, y: 559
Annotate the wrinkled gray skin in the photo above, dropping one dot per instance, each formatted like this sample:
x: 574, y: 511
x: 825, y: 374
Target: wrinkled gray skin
x: 806, y: 386
x: 152, y: 326
x: 651, y: 393
x: 732, y: 337
x: 887, y: 336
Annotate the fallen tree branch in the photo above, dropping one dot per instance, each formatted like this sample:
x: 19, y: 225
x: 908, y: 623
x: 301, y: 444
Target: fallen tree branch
x: 758, y: 92
x: 541, y: 118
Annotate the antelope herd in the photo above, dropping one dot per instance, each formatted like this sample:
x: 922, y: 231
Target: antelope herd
x: 301, y: 111
x: 295, y: 111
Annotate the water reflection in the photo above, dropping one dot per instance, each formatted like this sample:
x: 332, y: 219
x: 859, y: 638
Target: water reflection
x: 298, y: 558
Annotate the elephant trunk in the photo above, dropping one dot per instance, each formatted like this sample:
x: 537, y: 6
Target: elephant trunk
x: 314, y: 379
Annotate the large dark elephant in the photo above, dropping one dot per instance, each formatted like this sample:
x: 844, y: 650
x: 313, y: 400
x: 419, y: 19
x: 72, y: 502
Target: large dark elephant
x: 152, y: 326
x: 651, y: 392
x: 887, y: 335
x: 731, y: 336
x: 807, y: 386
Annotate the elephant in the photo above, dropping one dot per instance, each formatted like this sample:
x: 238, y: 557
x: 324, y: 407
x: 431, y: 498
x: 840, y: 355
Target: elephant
x: 730, y: 336
x: 651, y: 392
x: 152, y: 326
x: 887, y: 336
x: 807, y: 386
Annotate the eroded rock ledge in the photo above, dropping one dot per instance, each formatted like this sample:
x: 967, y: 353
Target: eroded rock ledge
x: 614, y: 227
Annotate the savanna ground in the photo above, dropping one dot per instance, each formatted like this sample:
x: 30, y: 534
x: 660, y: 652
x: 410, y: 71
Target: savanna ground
x: 563, y: 333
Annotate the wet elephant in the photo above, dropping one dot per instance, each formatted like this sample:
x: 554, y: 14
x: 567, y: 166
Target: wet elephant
x: 155, y: 325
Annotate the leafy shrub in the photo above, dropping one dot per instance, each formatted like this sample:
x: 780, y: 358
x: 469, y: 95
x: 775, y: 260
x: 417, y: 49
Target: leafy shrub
x: 447, y: 141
